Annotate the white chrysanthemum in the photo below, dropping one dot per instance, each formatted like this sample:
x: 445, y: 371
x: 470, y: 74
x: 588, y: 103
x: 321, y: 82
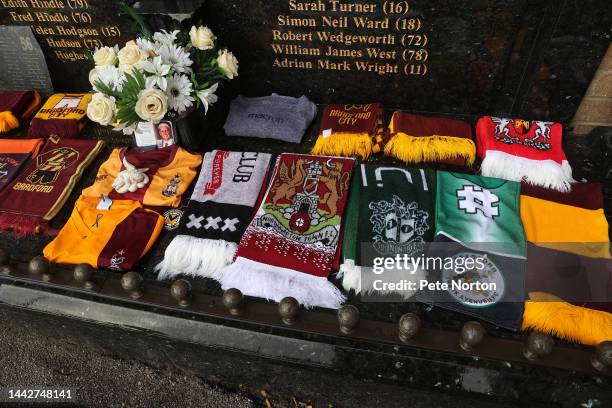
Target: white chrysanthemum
x: 176, y: 57
x: 208, y: 97
x: 165, y: 37
x: 157, y: 70
x: 110, y: 76
x: 148, y: 46
x: 179, y: 91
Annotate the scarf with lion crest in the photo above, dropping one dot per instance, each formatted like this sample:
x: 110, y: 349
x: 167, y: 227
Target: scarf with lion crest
x: 390, y: 211
x: 289, y: 247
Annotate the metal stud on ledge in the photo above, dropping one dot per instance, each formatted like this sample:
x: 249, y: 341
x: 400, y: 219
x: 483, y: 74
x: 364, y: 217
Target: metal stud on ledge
x: 83, y: 274
x: 602, y: 360
x: 472, y: 334
x: 5, y: 260
x: 40, y: 266
x: 409, y: 326
x: 348, y: 318
x: 181, y: 292
x: 538, y: 345
x: 288, y: 309
x: 232, y: 300
x: 131, y: 282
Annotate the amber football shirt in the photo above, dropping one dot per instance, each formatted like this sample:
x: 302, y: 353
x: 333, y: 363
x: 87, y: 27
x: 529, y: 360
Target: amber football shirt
x: 171, y: 170
x: 115, y: 238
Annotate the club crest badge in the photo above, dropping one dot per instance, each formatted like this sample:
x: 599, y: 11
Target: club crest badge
x: 536, y: 134
x: 398, y: 226
x: 49, y: 165
x: 116, y: 260
x: 172, y: 219
x: 474, y: 199
x: 490, y: 276
x: 305, y: 201
x: 172, y: 188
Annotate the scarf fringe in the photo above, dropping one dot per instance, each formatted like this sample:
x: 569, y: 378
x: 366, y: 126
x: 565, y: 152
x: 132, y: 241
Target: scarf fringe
x: 344, y: 144
x: 274, y: 283
x: 411, y: 149
x: 569, y: 322
x: 350, y: 275
x: 544, y: 173
x: 8, y: 121
x: 197, y: 257
x: 24, y: 225
x: 33, y: 106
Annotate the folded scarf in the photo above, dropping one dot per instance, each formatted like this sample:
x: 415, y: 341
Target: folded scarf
x: 478, y: 218
x: 290, y: 245
x: 62, y: 115
x: 15, y: 107
x: 217, y: 214
x: 13, y: 154
x: 391, y: 210
x: 42, y: 188
x: 418, y: 139
x: 569, y: 277
x: 573, y: 222
x: 114, y: 238
x: 351, y: 130
x: 520, y: 150
x: 274, y: 117
x: 156, y: 177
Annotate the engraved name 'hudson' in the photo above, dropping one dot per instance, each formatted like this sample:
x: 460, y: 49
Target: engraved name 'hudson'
x: 331, y: 5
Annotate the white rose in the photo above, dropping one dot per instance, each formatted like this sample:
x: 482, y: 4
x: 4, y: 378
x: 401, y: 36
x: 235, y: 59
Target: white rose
x: 105, y: 56
x: 93, y: 76
x: 152, y: 105
x: 129, y: 56
x: 202, y: 38
x: 101, y: 109
x: 228, y: 64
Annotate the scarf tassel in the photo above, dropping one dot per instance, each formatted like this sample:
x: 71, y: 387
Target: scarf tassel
x: 544, y: 173
x: 23, y: 225
x: 274, y: 283
x: 411, y: 149
x: 8, y: 121
x: 350, y: 275
x: 344, y: 144
x: 197, y: 257
x: 569, y: 322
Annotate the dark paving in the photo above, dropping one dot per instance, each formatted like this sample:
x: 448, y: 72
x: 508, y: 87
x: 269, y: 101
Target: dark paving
x: 32, y: 359
x: 32, y: 355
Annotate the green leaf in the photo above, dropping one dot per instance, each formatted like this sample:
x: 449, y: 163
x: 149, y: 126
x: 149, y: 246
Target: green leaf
x: 138, y: 21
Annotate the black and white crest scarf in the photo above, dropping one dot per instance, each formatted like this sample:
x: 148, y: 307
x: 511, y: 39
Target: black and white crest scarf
x: 217, y: 214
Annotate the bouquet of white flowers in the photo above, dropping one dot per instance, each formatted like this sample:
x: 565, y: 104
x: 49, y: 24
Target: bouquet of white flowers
x: 157, y: 74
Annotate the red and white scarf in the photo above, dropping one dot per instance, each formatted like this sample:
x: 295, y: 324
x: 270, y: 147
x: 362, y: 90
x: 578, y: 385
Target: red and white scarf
x: 289, y: 247
x: 522, y: 150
